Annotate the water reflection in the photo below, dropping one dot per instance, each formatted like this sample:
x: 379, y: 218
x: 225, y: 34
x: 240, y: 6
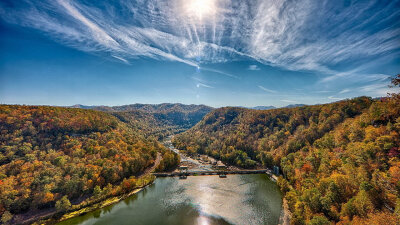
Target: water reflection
x: 237, y: 199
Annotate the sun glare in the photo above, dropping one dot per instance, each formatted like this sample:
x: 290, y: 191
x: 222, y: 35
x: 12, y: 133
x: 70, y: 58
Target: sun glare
x: 200, y: 8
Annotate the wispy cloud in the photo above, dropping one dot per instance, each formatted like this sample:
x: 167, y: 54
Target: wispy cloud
x: 97, y: 33
x: 253, y: 67
x: 295, y: 35
x: 288, y: 101
x: 322, y: 91
x: 334, y: 98
x: 120, y: 58
x: 266, y: 89
x: 378, y: 89
x: 219, y: 72
x: 344, y: 91
x: 198, y: 85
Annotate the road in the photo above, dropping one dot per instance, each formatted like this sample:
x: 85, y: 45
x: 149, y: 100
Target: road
x: 152, y: 168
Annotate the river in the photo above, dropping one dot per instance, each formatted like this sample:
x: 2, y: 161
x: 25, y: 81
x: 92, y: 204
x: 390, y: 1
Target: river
x: 201, y: 200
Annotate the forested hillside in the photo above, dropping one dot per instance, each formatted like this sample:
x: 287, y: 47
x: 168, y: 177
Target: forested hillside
x: 234, y: 134
x: 158, y: 120
x: 50, y: 156
x: 340, y: 161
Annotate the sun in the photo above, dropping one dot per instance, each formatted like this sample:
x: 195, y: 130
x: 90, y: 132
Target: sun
x: 200, y: 8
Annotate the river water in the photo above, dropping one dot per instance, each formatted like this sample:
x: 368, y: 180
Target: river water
x: 202, y: 200
x: 198, y: 200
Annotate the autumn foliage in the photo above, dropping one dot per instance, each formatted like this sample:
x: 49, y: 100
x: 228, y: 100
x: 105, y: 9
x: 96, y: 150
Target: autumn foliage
x: 340, y: 161
x: 52, y: 155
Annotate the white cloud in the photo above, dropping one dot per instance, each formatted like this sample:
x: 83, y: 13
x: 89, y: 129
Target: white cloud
x: 253, y: 67
x: 344, y: 91
x: 219, y: 72
x: 377, y: 89
x: 266, y: 89
x: 334, y: 98
x: 288, y: 101
x: 295, y: 35
x: 120, y: 58
x: 97, y: 33
x: 203, y: 85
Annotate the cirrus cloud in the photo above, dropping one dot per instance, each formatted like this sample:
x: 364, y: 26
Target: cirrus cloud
x: 295, y: 35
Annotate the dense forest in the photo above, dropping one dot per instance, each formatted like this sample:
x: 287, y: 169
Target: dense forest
x: 157, y: 120
x: 340, y: 161
x: 55, y: 157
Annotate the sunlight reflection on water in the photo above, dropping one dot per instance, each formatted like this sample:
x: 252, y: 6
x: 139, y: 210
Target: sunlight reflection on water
x: 237, y: 199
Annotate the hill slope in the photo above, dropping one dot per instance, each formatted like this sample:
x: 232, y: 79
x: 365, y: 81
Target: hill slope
x: 278, y: 131
x: 47, y: 153
x: 342, y: 159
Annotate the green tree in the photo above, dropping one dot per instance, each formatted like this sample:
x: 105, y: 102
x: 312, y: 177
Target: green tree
x: 319, y: 220
x: 63, y: 204
x: 363, y: 203
x: 97, y: 191
x: 397, y: 209
x: 7, y: 216
x: 283, y: 184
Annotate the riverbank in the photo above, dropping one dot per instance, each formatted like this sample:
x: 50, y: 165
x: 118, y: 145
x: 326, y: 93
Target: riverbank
x: 102, y: 204
x: 86, y: 204
x: 52, y: 216
x: 285, y: 217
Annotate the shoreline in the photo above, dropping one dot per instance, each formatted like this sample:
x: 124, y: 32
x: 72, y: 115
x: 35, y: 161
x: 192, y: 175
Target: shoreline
x: 52, y: 216
x: 48, y: 219
x: 284, y: 218
x: 102, y: 204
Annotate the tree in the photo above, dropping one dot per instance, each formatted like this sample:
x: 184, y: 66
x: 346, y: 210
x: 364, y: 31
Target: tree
x: 97, y: 191
x: 283, y: 184
x: 47, y: 197
x: 319, y: 220
x: 7, y: 216
x: 396, y: 80
x: 63, y: 204
x: 397, y: 209
x: 395, y: 83
x: 363, y: 203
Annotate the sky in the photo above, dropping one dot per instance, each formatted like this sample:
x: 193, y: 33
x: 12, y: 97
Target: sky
x: 213, y: 52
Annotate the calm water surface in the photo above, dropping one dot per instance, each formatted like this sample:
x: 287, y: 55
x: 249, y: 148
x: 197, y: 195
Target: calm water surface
x: 202, y: 200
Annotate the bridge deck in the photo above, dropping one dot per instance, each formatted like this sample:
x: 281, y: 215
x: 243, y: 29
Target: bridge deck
x: 216, y: 172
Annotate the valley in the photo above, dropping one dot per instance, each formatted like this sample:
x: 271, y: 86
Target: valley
x: 337, y: 162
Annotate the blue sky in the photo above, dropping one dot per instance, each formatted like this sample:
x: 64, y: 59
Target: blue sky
x: 213, y: 52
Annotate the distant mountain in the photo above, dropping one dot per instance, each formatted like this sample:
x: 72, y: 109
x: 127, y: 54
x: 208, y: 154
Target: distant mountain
x: 263, y: 107
x: 79, y: 106
x: 294, y: 105
x: 273, y: 107
x: 150, y: 108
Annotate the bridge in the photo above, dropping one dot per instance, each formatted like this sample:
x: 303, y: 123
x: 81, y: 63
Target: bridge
x: 221, y: 173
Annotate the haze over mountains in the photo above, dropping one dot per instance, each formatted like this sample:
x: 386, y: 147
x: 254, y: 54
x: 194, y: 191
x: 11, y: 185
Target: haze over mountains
x: 273, y: 107
x: 152, y: 108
